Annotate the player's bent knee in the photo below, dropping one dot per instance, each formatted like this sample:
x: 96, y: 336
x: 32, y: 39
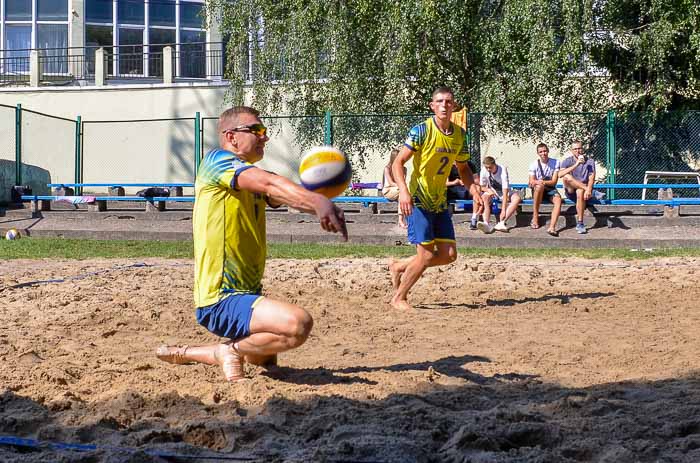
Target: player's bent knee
x: 299, y: 328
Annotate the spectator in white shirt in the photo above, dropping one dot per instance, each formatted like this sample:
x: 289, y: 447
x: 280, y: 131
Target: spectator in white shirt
x: 495, y: 183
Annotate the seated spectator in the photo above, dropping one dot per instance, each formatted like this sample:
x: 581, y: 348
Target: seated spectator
x: 455, y: 185
x: 457, y: 190
x: 495, y: 183
x: 543, y: 178
x: 578, y: 181
x: 390, y: 190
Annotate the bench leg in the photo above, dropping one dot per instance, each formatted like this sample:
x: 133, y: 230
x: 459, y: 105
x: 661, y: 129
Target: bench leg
x: 369, y: 208
x: 158, y: 206
x: 97, y: 206
x: 671, y: 212
x: 40, y: 205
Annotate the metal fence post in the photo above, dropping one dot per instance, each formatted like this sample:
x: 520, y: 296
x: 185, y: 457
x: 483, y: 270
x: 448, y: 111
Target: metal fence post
x: 197, y: 141
x: 78, y: 148
x: 328, y: 129
x: 18, y: 144
x: 611, y: 151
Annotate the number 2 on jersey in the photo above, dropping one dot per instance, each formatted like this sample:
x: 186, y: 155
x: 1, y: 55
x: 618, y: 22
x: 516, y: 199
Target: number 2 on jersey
x: 443, y: 163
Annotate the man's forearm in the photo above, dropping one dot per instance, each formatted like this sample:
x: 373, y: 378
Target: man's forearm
x: 591, y: 182
x: 285, y: 191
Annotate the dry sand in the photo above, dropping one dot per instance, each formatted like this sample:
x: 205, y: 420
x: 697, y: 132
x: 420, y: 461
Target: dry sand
x: 503, y: 360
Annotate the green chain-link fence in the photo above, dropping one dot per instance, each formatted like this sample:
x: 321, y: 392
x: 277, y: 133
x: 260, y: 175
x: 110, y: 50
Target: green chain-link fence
x: 512, y: 140
x: 49, y: 154
x: 139, y: 151
x: 664, y: 142
x: 7, y: 138
x: 624, y: 145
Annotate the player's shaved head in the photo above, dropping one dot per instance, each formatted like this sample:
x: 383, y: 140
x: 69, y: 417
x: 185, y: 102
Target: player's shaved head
x: 231, y: 117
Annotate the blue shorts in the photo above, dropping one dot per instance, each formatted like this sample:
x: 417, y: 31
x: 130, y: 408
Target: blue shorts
x: 426, y: 227
x: 548, y: 194
x: 230, y: 317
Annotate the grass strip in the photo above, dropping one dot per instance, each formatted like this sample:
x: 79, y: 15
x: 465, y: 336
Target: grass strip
x: 43, y: 248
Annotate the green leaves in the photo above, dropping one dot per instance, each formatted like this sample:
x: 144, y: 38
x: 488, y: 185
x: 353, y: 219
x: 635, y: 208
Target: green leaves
x: 374, y: 56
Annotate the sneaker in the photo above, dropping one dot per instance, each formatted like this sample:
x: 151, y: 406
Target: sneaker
x: 598, y: 195
x: 484, y: 227
x: 472, y: 224
x: 501, y: 227
x: 581, y: 228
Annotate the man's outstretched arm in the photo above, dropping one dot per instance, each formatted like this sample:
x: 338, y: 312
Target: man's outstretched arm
x: 284, y: 191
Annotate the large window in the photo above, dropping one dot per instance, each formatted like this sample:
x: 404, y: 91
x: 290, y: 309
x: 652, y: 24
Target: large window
x: 96, y: 37
x: 18, y: 39
x: 35, y: 24
x: 18, y: 10
x: 53, y: 39
x: 155, y: 57
x: 191, y: 14
x: 144, y: 28
x: 52, y: 10
x: 161, y: 13
x: 130, y: 52
x: 193, y: 54
x: 98, y: 11
x: 131, y: 11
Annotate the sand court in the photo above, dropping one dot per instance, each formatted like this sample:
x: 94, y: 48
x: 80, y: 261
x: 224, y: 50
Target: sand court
x: 503, y: 360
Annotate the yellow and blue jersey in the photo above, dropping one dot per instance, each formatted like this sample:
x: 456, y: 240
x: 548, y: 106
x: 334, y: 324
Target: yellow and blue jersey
x: 229, y: 231
x: 433, y: 155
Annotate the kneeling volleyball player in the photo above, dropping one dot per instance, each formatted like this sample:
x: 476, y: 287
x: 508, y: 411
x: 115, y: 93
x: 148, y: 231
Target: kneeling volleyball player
x: 230, y: 249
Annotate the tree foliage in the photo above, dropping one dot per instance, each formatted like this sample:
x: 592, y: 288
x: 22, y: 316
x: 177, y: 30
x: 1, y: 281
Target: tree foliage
x: 652, y: 51
x: 498, y: 55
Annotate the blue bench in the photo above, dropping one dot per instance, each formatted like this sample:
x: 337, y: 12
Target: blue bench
x: 99, y: 203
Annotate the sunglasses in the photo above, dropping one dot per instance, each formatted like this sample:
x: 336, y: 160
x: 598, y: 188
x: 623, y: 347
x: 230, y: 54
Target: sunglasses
x: 256, y: 129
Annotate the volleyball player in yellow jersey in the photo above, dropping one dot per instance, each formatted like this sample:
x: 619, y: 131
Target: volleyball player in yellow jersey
x: 230, y: 249
x: 434, y: 145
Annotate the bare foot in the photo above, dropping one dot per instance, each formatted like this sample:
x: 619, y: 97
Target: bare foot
x: 395, y: 273
x: 231, y: 362
x: 401, y: 304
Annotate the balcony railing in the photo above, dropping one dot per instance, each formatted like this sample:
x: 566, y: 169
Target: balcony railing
x: 185, y: 61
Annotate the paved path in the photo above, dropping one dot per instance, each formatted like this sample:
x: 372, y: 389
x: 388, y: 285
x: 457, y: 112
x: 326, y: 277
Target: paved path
x: 649, y: 232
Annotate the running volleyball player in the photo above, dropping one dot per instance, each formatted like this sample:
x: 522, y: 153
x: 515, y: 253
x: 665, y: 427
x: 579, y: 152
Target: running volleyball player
x: 230, y: 250
x: 434, y: 146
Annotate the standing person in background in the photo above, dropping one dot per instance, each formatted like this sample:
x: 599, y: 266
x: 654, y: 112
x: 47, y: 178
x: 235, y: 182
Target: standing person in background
x: 230, y: 250
x: 434, y: 146
x: 579, y: 181
x: 390, y: 189
x: 496, y: 184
